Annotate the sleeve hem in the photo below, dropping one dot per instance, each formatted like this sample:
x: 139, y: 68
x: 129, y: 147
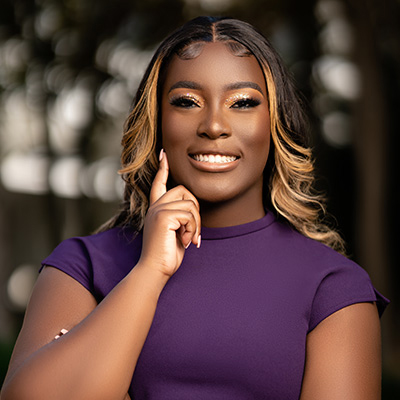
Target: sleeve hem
x: 340, y: 306
x: 74, y: 276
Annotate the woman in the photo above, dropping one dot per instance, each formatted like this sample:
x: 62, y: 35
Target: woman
x: 258, y: 306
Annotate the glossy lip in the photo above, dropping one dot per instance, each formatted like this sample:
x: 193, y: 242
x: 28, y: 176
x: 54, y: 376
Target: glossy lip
x: 213, y: 167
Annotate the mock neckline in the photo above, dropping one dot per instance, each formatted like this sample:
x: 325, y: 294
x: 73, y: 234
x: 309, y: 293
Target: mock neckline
x: 237, y: 230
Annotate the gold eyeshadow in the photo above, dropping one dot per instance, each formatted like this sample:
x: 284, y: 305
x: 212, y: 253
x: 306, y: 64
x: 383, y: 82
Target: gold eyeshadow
x: 229, y: 102
x: 186, y: 96
x: 188, y: 100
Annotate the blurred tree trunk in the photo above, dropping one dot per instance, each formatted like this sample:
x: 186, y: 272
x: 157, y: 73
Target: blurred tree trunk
x: 371, y: 153
x: 6, y: 319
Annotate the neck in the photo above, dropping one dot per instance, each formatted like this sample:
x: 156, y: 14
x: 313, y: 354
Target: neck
x: 231, y: 213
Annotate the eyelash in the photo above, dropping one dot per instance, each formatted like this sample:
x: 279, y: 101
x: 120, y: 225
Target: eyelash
x: 184, y: 102
x: 246, y: 103
x: 188, y: 102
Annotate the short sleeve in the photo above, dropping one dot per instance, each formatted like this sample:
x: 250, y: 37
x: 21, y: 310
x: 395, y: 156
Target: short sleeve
x: 72, y: 257
x: 343, y: 286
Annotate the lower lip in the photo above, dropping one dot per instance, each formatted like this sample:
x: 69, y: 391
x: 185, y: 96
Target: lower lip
x: 214, y: 167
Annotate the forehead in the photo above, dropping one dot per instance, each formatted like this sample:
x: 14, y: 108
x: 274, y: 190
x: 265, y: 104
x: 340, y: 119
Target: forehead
x: 214, y: 66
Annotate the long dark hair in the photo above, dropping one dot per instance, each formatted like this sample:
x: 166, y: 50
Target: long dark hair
x: 289, y: 175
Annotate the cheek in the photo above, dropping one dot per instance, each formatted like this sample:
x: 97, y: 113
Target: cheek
x: 168, y: 130
x: 175, y: 133
x: 175, y: 130
x: 257, y: 135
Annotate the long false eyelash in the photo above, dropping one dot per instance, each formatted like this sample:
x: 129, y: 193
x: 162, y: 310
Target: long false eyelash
x: 185, y: 101
x: 245, y: 103
x: 189, y: 101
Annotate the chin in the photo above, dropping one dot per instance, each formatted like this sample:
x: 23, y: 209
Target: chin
x: 213, y: 194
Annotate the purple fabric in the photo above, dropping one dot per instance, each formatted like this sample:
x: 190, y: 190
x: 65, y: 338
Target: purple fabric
x: 232, y: 322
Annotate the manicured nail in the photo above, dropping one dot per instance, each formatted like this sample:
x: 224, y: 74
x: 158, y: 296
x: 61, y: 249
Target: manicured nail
x: 161, y: 155
x: 62, y: 332
x: 187, y: 245
x: 198, y: 242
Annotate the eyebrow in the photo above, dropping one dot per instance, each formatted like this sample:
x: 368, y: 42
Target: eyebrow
x: 231, y: 86
x: 243, y: 85
x: 185, y: 85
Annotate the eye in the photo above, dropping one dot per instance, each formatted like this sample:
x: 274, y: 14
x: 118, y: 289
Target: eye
x: 184, y: 102
x: 245, y: 103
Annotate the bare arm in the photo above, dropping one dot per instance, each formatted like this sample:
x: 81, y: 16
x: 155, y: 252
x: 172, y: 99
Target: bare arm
x: 97, y: 357
x: 343, y: 359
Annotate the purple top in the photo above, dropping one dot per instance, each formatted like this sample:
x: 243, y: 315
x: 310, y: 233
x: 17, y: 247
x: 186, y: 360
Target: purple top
x: 232, y: 322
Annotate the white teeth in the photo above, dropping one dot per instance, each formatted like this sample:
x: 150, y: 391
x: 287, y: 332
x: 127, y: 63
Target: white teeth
x: 215, y: 159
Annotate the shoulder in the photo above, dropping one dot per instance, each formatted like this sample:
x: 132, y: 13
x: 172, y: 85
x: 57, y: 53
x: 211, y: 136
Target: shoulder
x: 109, y: 239
x: 98, y: 261
x: 305, y: 253
x: 108, y: 242
x: 327, y: 279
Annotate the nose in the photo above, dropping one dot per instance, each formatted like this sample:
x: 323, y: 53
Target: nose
x: 214, y: 124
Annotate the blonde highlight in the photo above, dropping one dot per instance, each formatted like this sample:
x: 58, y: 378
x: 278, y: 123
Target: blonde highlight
x: 291, y: 181
x: 291, y: 193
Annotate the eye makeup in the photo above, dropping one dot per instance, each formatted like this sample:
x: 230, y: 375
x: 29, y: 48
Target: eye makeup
x: 186, y: 100
x: 241, y: 100
x: 189, y: 100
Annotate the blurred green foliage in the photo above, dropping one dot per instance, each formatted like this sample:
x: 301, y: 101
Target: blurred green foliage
x: 69, y: 70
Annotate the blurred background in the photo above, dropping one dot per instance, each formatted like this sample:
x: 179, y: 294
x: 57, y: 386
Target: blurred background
x: 69, y: 70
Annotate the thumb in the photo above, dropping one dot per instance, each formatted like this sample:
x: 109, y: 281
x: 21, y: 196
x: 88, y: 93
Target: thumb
x: 159, y: 186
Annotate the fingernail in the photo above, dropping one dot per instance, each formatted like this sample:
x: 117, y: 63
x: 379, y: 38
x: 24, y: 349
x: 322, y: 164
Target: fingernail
x: 62, y: 332
x: 187, y: 245
x: 161, y: 155
x: 198, y: 242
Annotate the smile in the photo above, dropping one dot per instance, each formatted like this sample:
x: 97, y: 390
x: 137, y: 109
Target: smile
x: 214, y: 158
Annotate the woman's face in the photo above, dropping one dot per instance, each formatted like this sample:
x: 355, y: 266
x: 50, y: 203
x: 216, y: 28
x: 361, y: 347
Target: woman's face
x: 215, y: 124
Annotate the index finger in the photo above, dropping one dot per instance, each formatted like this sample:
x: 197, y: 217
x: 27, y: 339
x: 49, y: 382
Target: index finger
x: 159, y: 185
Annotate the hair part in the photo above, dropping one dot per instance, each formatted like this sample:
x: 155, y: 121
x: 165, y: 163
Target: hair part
x: 289, y: 175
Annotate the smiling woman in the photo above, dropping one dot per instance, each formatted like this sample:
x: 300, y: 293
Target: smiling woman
x: 214, y: 107
x: 262, y: 306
